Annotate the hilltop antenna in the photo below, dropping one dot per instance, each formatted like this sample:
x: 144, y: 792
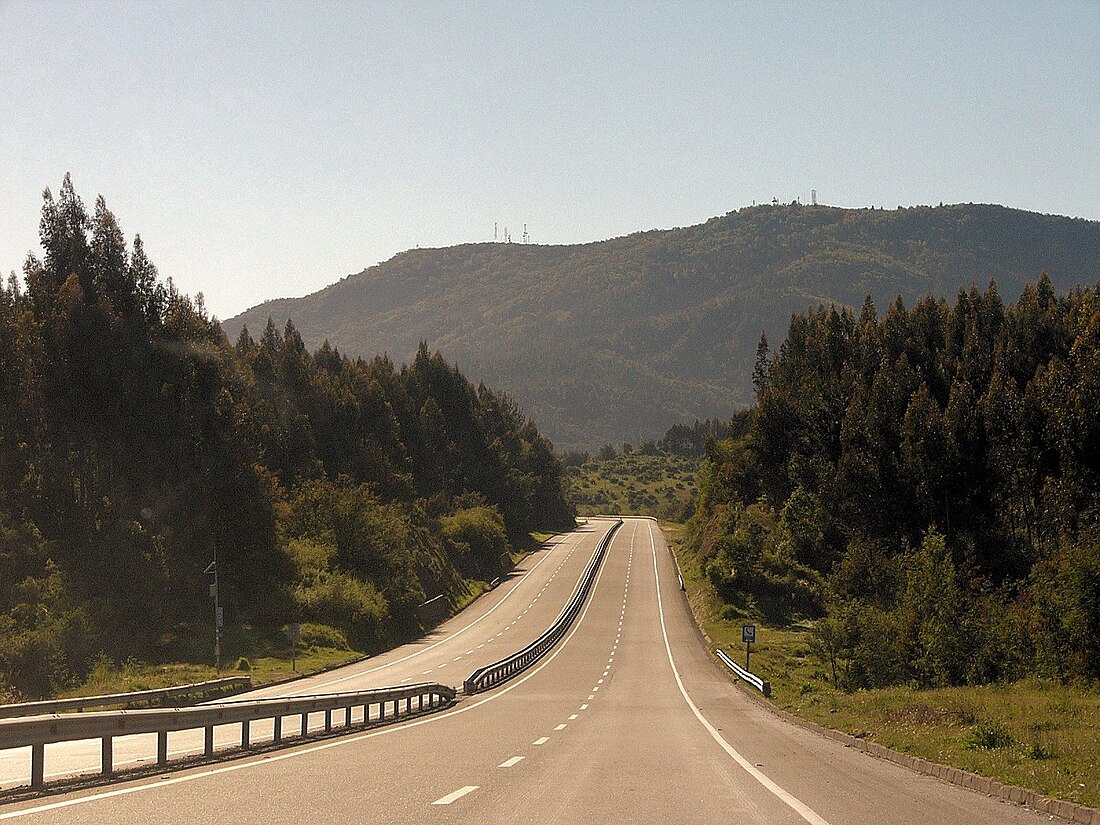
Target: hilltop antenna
x: 494, y: 231
x: 813, y: 197
x: 526, y: 237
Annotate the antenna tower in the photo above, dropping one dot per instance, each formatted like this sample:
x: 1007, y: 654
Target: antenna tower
x: 526, y: 237
x: 813, y: 197
x: 494, y: 231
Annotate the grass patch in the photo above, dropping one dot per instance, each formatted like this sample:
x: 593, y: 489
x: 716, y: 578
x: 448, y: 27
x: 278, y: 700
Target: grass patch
x: 263, y: 667
x: 1033, y: 733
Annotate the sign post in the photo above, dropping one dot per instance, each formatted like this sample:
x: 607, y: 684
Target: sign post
x: 294, y: 633
x: 212, y: 570
x: 748, y: 636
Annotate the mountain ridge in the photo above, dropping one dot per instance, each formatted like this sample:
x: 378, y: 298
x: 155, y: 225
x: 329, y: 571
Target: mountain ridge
x: 617, y: 339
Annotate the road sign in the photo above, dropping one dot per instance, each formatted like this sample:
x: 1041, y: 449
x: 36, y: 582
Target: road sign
x: 748, y: 634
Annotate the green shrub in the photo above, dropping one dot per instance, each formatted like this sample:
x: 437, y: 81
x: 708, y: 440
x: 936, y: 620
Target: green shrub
x: 989, y: 736
x: 322, y: 635
x: 340, y: 599
x: 1038, y: 751
x: 243, y: 665
x: 478, y: 537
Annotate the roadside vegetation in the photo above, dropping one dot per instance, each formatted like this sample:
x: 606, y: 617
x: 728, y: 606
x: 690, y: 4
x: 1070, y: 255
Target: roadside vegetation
x: 266, y: 656
x: 911, y: 510
x: 1035, y: 732
x: 137, y: 443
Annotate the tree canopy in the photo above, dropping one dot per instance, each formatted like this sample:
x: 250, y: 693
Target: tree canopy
x: 929, y: 480
x: 136, y: 442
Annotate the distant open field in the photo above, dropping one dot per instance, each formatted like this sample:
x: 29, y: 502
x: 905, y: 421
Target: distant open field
x: 634, y: 484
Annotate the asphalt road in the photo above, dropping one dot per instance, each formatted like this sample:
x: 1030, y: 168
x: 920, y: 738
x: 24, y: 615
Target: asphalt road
x: 627, y: 720
x: 505, y: 619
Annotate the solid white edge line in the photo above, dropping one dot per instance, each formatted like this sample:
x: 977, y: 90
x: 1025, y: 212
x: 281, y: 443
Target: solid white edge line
x: 791, y: 801
x: 323, y: 746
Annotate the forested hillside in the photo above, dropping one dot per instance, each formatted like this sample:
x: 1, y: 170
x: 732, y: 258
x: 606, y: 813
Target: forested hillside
x: 927, y: 480
x: 618, y: 340
x: 136, y: 442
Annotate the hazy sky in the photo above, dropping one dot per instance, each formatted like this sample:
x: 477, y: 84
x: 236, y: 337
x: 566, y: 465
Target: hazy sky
x: 268, y: 149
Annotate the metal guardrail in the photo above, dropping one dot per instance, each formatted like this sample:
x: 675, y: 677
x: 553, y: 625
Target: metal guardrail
x: 106, y: 725
x: 750, y: 677
x: 501, y: 671
x: 81, y: 702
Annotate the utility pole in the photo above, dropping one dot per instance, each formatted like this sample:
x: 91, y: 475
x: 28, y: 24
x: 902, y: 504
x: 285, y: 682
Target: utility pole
x: 212, y: 569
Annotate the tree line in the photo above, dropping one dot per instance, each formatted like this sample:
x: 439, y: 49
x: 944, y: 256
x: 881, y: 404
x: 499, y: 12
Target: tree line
x: 137, y: 443
x: 926, y: 482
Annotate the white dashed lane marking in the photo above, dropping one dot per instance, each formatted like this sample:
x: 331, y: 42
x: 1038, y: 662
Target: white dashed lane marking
x: 455, y: 795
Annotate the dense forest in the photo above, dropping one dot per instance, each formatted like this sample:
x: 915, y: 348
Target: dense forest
x: 927, y: 483
x: 618, y: 340
x: 137, y: 443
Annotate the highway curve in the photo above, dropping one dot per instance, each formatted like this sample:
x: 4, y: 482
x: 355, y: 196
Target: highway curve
x: 628, y: 719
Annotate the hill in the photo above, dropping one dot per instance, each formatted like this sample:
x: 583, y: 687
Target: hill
x: 617, y: 340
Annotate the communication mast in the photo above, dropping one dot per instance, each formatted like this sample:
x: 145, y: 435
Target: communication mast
x: 494, y: 231
x: 813, y: 196
x: 526, y: 237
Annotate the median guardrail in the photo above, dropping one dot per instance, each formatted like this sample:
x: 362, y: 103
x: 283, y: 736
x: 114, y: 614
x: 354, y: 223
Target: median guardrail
x: 379, y: 706
x: 501, y: 671
x: 750, y: 677
x: 79, y: 703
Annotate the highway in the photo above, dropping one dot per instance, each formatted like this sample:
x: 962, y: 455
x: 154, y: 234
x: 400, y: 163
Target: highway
x: 628, y: 719
x: 520, y: 608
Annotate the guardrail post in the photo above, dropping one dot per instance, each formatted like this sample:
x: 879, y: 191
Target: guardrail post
x: 208, y: 741
x: 328, y: 720
x: 381, y: 710
x: 246, y: 731
x: 305, y: 724
x: 38, y: 765
x: 162, y: 747
x: 107, y: 758
x: 277, y: 729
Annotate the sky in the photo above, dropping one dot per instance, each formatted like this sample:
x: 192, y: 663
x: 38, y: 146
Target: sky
x: 266, y: 150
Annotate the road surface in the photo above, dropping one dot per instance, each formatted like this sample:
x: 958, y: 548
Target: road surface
x: 628, y: 719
